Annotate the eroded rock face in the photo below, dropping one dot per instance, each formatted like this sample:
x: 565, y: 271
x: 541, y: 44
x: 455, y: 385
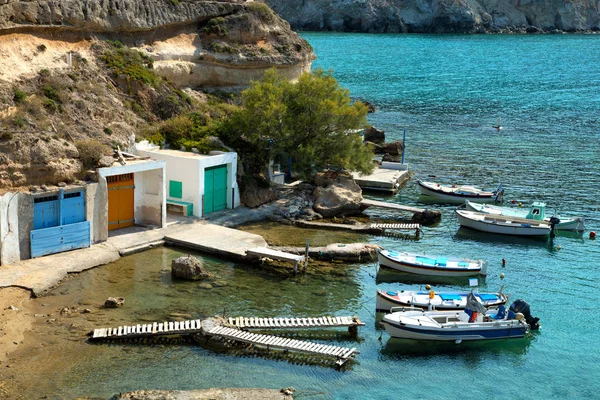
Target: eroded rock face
x: 338, y: 195
x: 443, y: 16
x: 194, y: 43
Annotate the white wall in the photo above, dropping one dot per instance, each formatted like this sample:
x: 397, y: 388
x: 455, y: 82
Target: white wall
x: 189, y: 169
x: 149, y: 208
x: 220, y: 158
x: 9, y: 229
x: 149, y: 197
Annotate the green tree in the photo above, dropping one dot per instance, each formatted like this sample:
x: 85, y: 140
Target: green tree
x: 313, y: 120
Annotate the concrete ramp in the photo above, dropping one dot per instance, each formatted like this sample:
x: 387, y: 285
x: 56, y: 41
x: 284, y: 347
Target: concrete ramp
x: 217, y: 240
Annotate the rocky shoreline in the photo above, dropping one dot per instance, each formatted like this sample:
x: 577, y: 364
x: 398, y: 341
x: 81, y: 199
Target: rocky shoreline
x: 445, y: 16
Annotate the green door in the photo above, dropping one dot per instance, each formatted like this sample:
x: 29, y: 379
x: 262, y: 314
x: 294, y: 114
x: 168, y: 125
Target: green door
x: 215, y: 188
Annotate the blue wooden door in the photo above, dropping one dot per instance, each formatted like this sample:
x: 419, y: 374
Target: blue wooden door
x: 59, y: 224
x: 73, y: 208
x: 45, y: 212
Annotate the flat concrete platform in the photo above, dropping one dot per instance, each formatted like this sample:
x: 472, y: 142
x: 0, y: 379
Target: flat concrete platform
x: 382, y: 179
x: 217, y: 240
x: 40, y: 274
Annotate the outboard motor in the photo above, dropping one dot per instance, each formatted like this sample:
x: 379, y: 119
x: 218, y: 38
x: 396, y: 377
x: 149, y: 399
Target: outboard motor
x: 521, y: 306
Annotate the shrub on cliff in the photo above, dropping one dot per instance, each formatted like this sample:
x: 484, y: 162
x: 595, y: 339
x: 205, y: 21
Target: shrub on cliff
x: 91, y: 151
x: 311, y: 120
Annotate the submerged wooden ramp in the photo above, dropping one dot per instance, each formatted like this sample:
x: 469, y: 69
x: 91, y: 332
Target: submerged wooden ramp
x: 392, y: 206
x: 343, y: 354
x: 235, y: 328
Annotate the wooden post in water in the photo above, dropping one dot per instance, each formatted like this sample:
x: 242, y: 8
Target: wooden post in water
x: 306, y: 255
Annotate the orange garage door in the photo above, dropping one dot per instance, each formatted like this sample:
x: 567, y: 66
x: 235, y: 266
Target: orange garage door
x: 120, y: 201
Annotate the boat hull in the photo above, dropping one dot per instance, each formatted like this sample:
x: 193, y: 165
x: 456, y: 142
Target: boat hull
x: 492, y: 225
x: 414, y: 268
x: 448, y: 198
x: 568, y: 224
x: 504, y: 330
x: 386, y: 300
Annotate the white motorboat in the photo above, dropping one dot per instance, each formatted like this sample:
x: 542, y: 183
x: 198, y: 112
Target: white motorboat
x: 430, y: 265
x: 457, y: 194
x: 537, y: 211
x: 473, y: 323
x: 386, y: 300
x: 503, y: 225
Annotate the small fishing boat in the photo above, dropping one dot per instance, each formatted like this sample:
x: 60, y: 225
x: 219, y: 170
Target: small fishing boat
x: 501, y: 224
x: 386, y: 300
x: 472, y: 323
x: 537, y: 212
x: 431, y: 265
x: 457, y: 194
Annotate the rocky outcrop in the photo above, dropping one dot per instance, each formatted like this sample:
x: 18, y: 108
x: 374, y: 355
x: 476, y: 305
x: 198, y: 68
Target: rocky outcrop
x: 114, y: 302
x: 189, y: 268
x: 374, y: 135
x: 336, y: 195
x: 254, y: 195
x: 440, y: 16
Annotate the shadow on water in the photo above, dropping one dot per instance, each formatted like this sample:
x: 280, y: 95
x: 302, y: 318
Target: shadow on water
x: 464, y: 233
x: 398, y: 349
x: 389, y: 275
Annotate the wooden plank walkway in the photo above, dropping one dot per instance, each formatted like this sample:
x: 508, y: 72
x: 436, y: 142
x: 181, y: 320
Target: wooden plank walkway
x: 275, y: 254
x: 397, y: 226
x: 278, y: 323
x: 393, y: 206
x: 343, y: 354
x: 148, y: 330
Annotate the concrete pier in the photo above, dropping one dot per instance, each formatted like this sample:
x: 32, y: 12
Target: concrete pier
x: 217, y: 240
x: 382, y: 179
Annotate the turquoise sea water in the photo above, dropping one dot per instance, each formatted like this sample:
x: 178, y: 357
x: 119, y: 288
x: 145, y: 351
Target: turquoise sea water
x: 447, y: 92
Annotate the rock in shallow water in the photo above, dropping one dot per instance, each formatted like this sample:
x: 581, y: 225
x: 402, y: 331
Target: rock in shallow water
x: 188, y: 268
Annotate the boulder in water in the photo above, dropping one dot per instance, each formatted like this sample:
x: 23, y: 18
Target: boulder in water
x: 189, y: 268
x: 114, y: 302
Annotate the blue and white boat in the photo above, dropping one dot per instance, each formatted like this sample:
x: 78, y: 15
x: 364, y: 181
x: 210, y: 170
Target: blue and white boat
x: 473, y: 323
x: 386, y: 300
x: 537, y: 212
x: 423, y: 264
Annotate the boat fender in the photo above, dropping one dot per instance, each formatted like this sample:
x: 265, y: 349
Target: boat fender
x: 431, y: 294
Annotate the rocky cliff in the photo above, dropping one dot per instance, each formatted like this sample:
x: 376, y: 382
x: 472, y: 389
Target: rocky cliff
x: 440, y: 16
x: 73, y: 70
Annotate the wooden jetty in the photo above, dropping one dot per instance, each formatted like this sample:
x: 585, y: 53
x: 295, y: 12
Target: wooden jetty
x: 154, y: 329
x: 278, y: 323
x: 343, y: 354
x: 235, y: 328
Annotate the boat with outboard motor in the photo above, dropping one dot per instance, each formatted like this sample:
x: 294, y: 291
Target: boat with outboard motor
x: 536, y: 212
x: 503, y: 225
x: 457, y: 194
x: 430, y: 265
x: 386, y: 300
x: 472, y: 323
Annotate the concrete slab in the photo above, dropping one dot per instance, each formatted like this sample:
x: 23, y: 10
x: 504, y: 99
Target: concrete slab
x: 388, y: 180
x: 41, y: 274
x: 218, y: 240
